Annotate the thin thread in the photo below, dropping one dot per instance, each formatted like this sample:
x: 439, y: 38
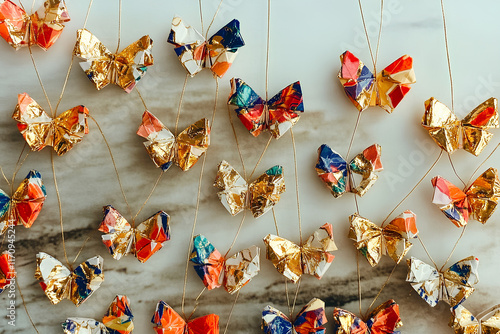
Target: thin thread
x: 5, y: 178
x: 231, y: 312
x: 237, y: 142
x: 261, y: 156
x: 448, y: 56
x: 379, y: 34
x: 196, y: 302
x: 88, y: 13
x: 359, y: 282
x: 150, y: 194
x: 296, y: 184
x: 19, y: 164
x: 237, y: 233
x: 380, y: 291
x: 366, y: 32
x: 267, y: 46
x: 296, y: 294
x: 454, y: 170
x: 64, y: 84
x: 201, y: 16
x: 454, y: 247
x: 213, y: 18
x: 142, y: 100
x: 275, y: 222
x: 119, y: 25
x: 40, y: 79
x: 81, y: 248
x: 26, y: 307
x: 482, y: 163
x: 288, y: 299
x: 426, y: 251
x: 180, y: 104
x: 353, y: 134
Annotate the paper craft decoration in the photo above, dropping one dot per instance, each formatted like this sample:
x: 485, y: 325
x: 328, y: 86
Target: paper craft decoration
x: 233, y: 273
x: 40, y: 130
x: 487, y: 322
x: 142, y: 241
x: 453, y: 285
x: 386, y: 90
x: 384, y: 319
x: 309, y: 320
x: 471, y: 133
x: 217, y: 54
x: 478, y: 201
x: 393, y: 239
x: 117, y: 320
x: 42, y: 28
x: 311, y: 258
x: 25, y: 204
x: 167, y: 321
x: 277, y: 115
x: 103, y: 67
x: 333, y: 170
x: 7, y: 271
x: 165, y: 149
x: 259, y: 196
x: 58, y: 282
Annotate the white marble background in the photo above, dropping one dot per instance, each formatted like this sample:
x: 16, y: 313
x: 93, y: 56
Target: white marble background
x: 306, y: 41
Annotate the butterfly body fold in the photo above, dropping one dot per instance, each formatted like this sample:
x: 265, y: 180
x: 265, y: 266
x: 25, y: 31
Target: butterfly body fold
x: 167, y: 321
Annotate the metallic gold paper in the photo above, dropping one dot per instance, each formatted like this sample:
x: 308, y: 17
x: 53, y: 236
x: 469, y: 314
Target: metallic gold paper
x: 487, y: 322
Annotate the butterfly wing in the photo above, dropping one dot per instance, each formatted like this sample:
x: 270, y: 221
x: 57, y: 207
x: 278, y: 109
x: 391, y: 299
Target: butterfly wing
x: 249, y: 106
x: 167, y: 321
x: 208, y: 324
x: 119, y: 234
x: 208, y: 262
x: 394, y: 81
x: 69, y: 128
x: 241, y: 268
x: 7, y: 271
x: 118, y: 318
x: 451, y: 200
x: 54, y: 276
x: 275, y: 322
x: 491, y: 323
x: 86, y: 279
x: 232, y: 188
x: 4, y: 211
x: 132, y: 63
x: 83, y: 326
x: 442, y: 125
x: 151, y: 234
x: 367, y: 238
x: 285, y: 256
x: 462, y: 321
x: 316, y: 257
x: 160, y: 142
x: 397, y: 235
x: 459, y: 281
x: 189, y: 45
x: 192, y: 143
x: 475, y: 134
x: 33, y: 123
x: 385, y: 318
x: 425, y: 280
x: 357, y: 80
x: 47, y: 23
x: 14, y: 24
x: 285, y: 109
x: 483, y: 195
x: 366, y: 164
x: 311, y: 318
x: 345, y: 322
x: 266, y: 191
x: 222, y: 48
x: 332, y: 170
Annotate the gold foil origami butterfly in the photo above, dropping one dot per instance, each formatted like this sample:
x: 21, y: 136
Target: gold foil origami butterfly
x: 487, y: 322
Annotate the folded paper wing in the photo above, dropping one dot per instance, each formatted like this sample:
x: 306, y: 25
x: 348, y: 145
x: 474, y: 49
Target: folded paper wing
x: 165, y: 149
x: 167, y: 321
x: 309, y: 320
x: 59, y: 283
x: 103, y: 67
x: 393, y: 240
x: 143, y: 241
x: 40, y: 130
x: 452, y: 286
x: 42, y: 28
x: 463, y: 322
x: 277, y: 115
x: 7, y: 271
x: 472, y: 133
x: 312, y: 258
x: 26, y: 203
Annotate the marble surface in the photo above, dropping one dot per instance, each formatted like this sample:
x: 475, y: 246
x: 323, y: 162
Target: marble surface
x: 306, y: 41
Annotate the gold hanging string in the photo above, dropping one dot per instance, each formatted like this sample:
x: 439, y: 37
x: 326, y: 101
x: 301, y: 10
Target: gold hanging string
x: 295, y: 297
x: 261, y: 156
x: 374, y: 57
x: 180, y: 103
x: 481, y: 164
x: 142, y: 100
x: 448, y: 56
x: 237, y: 233
x: 353, y: 134
x: 454, y: 170
x: 88, y: 13
x: 196, y: 303
x: 213, y: 18
x: 380, y: 291
x: 454, y: 247
x: 275, y: 222
x: 119, y: 25
x: 40, y: 79
x: 201, y: 16
x: 231, y: 312
x: 237, y: 143
x: 267, y: 46
x: 359, y: 283
x: 26, y: 307
x: 19, y: 164
x: 82, y: 247
x: 296, y: 184
x: 426, y: 251
x: 150, y: 194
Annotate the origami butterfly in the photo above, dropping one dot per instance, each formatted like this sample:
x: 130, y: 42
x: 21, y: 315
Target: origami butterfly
x: 374, y: 241
x: 40, y: 130
x: 42, y: 28
x: 25, y: 204
x: 117, y: 320
x: 309, y: 320
x: 167, y: 321
x: 277, y: 115
x: 453, y: 285
x: 478, y: 201
x: 382, y: 320
x: 258, y: 197
x: 471, y: 133
x: 58, y: 282
x: 463, y: 322
x: 233, y: 273
x: 312, y: 258
x: 7, y: 271
x: 103, y: 67
x: 386, y: 90
x: 142, y: 241
x: 333, y: 170
x: 165, y: 149
x: 195, y: 53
